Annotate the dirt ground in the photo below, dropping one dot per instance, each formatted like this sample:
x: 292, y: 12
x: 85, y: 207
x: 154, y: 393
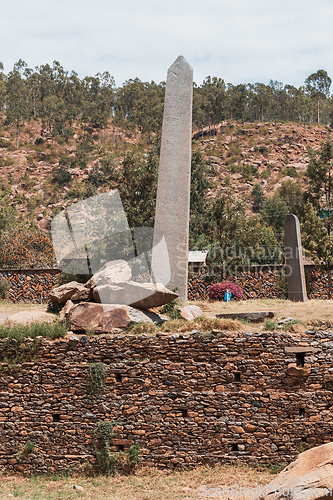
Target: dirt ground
x: 312, y: 310
x: 223, y: 482
x: 303, y: 311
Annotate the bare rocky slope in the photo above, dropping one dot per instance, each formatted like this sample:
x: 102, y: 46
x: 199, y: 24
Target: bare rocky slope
x: 239, y: 155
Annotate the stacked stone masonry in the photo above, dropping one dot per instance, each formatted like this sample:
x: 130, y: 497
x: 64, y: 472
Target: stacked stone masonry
x: 186, y: 399
x: 258, y: 282
x: 261, y: 282
x: 30, y: 285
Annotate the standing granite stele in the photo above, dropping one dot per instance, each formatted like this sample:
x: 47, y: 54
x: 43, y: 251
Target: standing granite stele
x: 294, y: 260
x: 174, y: 179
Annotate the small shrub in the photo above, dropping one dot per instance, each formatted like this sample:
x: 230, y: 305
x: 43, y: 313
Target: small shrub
x: 105, y: 460
x: 265, y: 174
x: 171, y: 309
x: 263, y: 149
x: 61, y: 176
x: 291, y: 171
x: 134, y: 454
x: 217, y: 291
x: 270, y: 325
x: 26, y: 450
x: 4, y: 143
x: 281, y: 283
x: 54, y: 308
x: 29, y: 447
x: 4, y: 288
x: 95, y: 378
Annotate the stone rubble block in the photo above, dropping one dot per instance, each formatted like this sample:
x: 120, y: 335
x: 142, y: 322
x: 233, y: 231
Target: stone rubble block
x: 151, y: 294
x: 107, y: 318
x: 62, y: 293
x: 115, y: 271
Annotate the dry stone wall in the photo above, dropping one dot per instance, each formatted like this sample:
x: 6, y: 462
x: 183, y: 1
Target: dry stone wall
x: 261, y: 282
x: 185, y: 398
x: 30, y: 285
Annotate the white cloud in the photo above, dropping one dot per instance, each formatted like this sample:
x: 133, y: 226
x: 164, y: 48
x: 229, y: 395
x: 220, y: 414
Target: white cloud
x: 238, y: 40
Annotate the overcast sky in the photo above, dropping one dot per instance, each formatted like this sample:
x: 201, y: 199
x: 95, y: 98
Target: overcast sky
x: 240, y: 41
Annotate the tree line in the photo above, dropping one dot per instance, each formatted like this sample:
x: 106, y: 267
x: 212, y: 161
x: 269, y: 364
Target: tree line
x: 58, y: 98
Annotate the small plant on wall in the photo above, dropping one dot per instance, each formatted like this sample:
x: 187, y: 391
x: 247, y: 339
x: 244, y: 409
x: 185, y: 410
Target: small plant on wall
x: 95, y: 378
x: 27, y: 449
x: 217, y: 291
x: 107, y: 461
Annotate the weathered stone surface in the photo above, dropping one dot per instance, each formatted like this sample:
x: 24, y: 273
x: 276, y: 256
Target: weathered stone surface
x: 62, y: 293
x: 173, y: 191
x: 153, y: 295
x: 250, y: 316
x: 298, y: 372
x: 190, y: 312
x: 82, y: 294
x: 65, y: 310
x: 158, y: 296
x: 285, y: 320
x: 309, y: 477
x: 29, y: 317
x: 107, y: 318
x: 294, y: 259
x: 115, y: 271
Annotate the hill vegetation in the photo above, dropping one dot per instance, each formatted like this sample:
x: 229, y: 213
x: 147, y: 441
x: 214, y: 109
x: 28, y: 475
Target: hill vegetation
x: 259, y: 152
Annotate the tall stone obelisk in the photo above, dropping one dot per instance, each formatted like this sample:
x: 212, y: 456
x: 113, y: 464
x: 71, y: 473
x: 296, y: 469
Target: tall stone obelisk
x: 294, y: 259
x: 174, y: 179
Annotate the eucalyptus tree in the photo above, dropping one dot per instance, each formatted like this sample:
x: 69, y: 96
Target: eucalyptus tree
x: 318, y: 86
x: 97, y: 100
x: 317, y: 220
x: 140, y: 105
x: 17, y: 98
x: 2, y: 88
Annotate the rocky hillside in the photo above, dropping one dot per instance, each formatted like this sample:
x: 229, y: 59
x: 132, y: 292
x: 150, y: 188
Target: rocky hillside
x: 268, y: 153
x: 41, y: 178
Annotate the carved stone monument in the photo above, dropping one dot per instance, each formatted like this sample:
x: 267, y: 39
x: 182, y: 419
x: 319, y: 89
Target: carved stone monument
x: 294, y: 260
x: 174, y: 178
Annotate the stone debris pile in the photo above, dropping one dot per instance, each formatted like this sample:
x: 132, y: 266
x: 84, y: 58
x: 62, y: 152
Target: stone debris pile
x: 110, y: 300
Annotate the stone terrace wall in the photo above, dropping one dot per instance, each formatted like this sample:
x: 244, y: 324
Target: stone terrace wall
x: 34, y: 285
x: 30, y: 285
x: 185, y: 398
x: 262, y: 282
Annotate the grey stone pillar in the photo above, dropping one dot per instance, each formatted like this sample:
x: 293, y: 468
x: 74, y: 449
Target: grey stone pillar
x: 174, y: 179
x: 294, y: 260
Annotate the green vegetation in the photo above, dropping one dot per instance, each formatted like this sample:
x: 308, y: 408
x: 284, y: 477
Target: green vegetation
x: 171, y: 309
x: 26, y: 450
x: 20, y: 332
x: 317, y: 219
x: 107, y: 461
x: 95, y: 378
x: 270, y: 325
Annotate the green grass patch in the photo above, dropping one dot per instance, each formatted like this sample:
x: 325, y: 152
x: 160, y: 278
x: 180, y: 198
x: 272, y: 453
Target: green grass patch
x: 47, y: 330
x: 270, y: 325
